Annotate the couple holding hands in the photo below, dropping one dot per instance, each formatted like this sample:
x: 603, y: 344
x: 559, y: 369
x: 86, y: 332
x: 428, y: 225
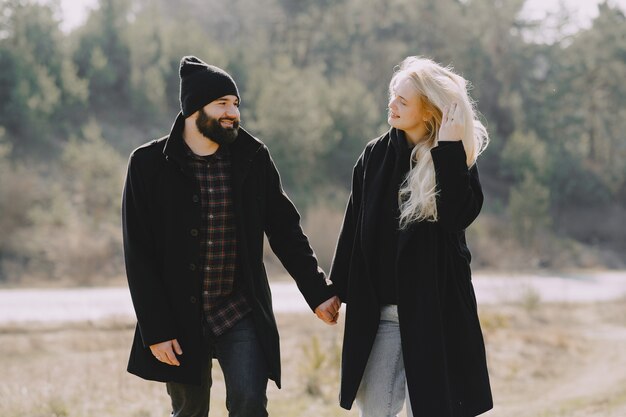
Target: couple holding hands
x: 198, y: 202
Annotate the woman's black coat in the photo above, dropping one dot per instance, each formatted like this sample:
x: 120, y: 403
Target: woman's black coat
x: 161, y: 220
x: 442, y: 343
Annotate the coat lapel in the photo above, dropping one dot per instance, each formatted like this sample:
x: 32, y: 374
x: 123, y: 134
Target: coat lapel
x: 377, y: 176
x: 242, y: 153
x: 174, y: 149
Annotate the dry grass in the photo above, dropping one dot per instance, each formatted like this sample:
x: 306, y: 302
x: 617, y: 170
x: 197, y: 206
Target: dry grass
x: 557, y: 360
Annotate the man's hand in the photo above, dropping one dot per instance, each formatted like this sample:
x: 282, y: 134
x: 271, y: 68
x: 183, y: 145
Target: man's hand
x: 164, y: 352
x: 328, y: 311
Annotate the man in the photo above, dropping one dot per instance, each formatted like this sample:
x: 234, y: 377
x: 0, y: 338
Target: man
x: 195, y: 207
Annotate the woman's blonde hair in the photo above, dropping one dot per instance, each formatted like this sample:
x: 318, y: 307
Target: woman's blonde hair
x: 436, y: 87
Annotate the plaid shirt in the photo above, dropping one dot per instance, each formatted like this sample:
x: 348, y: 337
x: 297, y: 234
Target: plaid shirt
x: 223, y: 304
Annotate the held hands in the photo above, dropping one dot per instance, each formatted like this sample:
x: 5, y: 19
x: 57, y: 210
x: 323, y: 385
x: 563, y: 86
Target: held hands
x: 328, y: 311
x: 452, y: 124
x: 164, y: 352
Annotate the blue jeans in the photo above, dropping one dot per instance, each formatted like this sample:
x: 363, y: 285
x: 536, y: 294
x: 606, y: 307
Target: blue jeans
x: 383, y: 387
x: 245, y: 373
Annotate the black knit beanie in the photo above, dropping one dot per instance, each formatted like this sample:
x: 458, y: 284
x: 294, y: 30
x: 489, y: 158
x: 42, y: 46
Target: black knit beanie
x: 201, y: 83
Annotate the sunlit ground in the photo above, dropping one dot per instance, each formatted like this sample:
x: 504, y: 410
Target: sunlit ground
x: 546, y: 360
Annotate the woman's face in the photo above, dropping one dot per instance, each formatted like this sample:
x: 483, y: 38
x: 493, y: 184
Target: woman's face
x: 406, y: 110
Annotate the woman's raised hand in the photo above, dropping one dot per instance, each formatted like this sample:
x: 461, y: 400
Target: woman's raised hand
x: 452, y: 124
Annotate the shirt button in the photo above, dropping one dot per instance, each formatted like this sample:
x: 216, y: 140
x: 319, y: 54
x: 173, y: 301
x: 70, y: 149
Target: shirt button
x: 206, y: 293
x: 195, y: 198
x: 210, y: 190
x: 210, y: 216
x: 192, y: 299
x: 208, y: 268
x: 193, y: 232
x: 210, y: 242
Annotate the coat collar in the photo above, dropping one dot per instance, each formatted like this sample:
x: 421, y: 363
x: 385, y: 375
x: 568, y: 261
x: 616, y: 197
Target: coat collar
x: 378, y: 174
x: 397, y: 138
x: 242, y: 151
x: 174, y: 145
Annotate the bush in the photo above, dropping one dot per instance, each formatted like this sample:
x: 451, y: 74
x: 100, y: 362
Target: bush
x: 322, y: 226
x: 529, y: 204
x: 18, y: 191
x: 65, y: 222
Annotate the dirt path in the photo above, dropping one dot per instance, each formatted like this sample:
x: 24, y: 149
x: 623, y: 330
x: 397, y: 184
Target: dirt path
x: 89, y: 304
x: 565, y: 361
x: 596, y: 385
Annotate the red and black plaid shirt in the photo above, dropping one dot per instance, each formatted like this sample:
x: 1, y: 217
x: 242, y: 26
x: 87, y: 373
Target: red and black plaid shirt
x: 223, y: 305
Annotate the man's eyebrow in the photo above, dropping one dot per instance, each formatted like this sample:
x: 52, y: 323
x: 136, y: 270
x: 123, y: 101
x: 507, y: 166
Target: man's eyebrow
x: 226, y: 99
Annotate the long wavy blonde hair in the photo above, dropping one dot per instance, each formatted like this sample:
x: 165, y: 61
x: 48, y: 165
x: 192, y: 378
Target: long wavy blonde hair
x: 436, y: 87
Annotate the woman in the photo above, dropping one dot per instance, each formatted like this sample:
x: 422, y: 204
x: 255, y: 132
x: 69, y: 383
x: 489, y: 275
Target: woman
x: 402, y: 264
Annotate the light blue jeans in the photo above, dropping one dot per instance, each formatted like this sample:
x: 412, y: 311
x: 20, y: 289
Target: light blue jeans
x: 383, y: 388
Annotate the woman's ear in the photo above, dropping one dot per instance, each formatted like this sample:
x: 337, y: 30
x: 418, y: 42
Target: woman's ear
x: 427, y: 111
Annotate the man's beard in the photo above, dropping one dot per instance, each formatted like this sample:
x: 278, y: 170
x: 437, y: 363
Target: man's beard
x: 212, y: 129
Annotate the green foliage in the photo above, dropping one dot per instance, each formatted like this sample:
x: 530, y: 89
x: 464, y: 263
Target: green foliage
x: 356, y: 119
x: 5, y: 147
x: 60, y: 222
x: 94, y: 173
x: 38, y: 81
x: 572, y: 183
x: 529, y: 205
x: 292, y: 117
x: 18, y: 192
x: 32, y: 95
x: 156, y: 46
x: 590, y: 98
x: 523, y: 155
x: 103, y: 54
x: 313, y: 78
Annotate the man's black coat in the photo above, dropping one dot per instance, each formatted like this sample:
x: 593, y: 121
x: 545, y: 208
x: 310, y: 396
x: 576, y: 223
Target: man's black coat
x: 161, y: 222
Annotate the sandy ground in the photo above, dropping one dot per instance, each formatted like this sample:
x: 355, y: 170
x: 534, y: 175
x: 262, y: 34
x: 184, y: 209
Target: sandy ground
x: 545, y: 360
x: 558, y: 360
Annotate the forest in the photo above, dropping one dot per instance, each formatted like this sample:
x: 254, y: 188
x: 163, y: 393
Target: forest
x: 313, y: 77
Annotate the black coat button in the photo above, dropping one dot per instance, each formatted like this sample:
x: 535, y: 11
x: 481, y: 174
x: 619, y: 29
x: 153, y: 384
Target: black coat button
x: 195, y: 198
x: 192, y: 267
x: 194, y: 232
x: 193, y: 299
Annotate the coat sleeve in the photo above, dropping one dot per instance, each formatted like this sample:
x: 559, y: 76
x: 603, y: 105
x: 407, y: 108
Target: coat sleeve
x: 148, y: 292
x: 289, y: 243
x: 459, y: 193
x: 342, y: 260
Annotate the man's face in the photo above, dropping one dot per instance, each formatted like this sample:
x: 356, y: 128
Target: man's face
x: 219, y: 120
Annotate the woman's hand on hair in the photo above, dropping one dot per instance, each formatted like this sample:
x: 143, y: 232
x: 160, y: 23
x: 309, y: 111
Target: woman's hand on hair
x: 452, y: 124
